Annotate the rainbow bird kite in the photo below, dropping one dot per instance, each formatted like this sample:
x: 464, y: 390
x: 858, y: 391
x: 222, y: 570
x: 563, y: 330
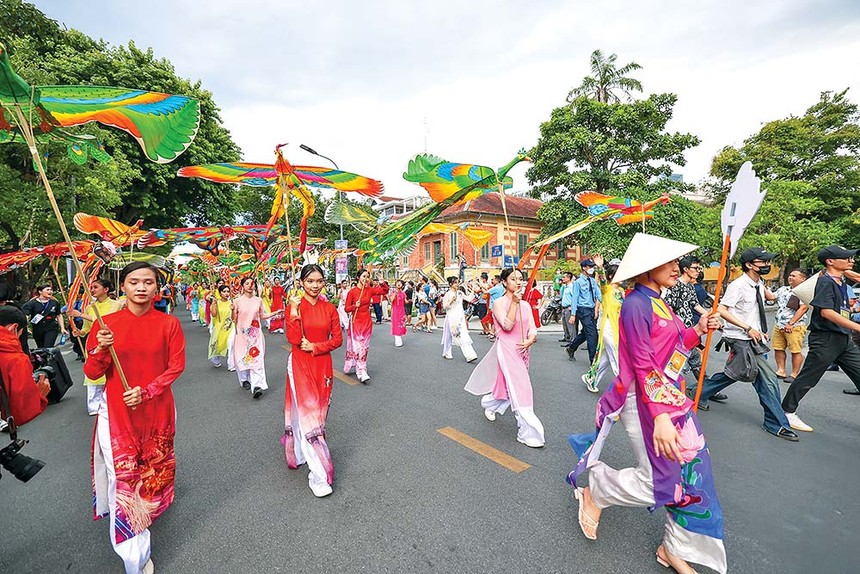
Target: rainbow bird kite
x: 449, y: 184
x: 289, y: 180
x: 164, y: 125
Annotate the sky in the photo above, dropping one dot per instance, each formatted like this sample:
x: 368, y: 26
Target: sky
x: 371, y: 83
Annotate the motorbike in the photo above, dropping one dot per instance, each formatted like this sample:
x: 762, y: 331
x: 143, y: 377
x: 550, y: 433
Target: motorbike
x: 552, y: 313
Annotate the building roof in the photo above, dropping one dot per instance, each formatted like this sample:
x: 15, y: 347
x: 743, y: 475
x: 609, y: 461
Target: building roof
x: 491, y: 203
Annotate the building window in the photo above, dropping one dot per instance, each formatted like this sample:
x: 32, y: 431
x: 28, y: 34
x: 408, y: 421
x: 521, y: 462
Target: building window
x: 561, y: 249
x: 426, y: 252
x: 437, y: 251
x: 485, y: 252
x: 453, y: 256
x: 522, y: 241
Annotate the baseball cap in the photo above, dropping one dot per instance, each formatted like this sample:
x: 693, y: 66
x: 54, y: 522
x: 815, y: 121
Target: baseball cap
x: 756, y: 253
x: 835, y: 252
x: 587, y: 263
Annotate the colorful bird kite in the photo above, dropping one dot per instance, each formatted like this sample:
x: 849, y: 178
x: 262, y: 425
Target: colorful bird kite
x: 289, y: 180
x: 452, y: 185
x: 164, y: 125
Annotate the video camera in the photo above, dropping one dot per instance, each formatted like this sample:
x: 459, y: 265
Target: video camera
x: 21, y: 466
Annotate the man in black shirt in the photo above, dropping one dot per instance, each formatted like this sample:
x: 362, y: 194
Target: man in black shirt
x: 830, y: 332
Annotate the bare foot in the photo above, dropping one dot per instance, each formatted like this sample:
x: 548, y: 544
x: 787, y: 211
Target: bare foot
x: 671, y: 561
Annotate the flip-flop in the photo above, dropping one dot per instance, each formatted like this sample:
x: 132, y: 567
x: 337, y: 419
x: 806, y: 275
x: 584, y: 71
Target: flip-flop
x: 851, y: 391
x: 585, y: 521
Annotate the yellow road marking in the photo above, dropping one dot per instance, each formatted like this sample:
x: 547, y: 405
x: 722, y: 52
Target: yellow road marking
x: 345, y: 378
x: 484, y: 449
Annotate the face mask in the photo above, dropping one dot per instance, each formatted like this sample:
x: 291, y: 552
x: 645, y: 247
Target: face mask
x: 764, y: 269
x: 590, y: 271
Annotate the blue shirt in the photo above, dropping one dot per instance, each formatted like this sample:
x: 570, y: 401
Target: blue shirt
x: 567, y: 294
x: 496, y: 292
x: 586, y: 293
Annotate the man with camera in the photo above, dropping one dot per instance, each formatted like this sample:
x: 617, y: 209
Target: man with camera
x: 21, y: 398
x: 27, y: 399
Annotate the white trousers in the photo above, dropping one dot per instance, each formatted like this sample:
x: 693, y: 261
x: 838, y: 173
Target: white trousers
x: 634, y: 487
x: 231, y: 361
x: 398, y: 341
x: 135, y: 552
x: 257, y: 377
x: 94, y: 398
x: 608, y: 358
x: 305, y: 453
x: 528, y: 425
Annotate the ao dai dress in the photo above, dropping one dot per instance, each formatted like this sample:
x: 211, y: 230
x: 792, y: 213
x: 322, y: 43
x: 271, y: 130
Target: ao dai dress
x: 502, y: 377
x: 650, y: 333
x: 309, y: 386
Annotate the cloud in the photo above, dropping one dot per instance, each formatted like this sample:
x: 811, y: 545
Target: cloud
x: 356, y: 80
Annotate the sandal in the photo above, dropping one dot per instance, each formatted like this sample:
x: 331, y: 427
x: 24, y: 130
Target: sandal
x: 585, y: 521
x: 663, y: 561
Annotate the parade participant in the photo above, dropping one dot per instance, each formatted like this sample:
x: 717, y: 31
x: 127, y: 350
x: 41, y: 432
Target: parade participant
x: 276, y: 324
x: 100, y: 291
x: 456, y: 329
x: 397, y: 298
x: 423, y: 307
x: 376, y: 301
x: 410, y: 294
x: 480, y: 309
x: 341, y: 303
x: 532, y: 296
x: 266, y: 296
x: 501, y: 379
x: 134, y: 465
x: 249, y: 344
x: 746, y: 330
x: 789, y: 328
x: 313, y: 330
x: 193, y: 297
x: 46, y: 318
x: 830, y: 331
x: 607, y: 354
x: 202, y: 304
x: 585, y: 308
x: 433, y: 300
x: 360, y: 326
x: 568, y: 321
x: 222, y: 324
x: 673, y: 463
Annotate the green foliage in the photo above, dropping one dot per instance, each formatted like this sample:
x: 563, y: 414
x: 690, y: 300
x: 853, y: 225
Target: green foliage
x: 810, y: 167
x: 133, y: 187
x: 617, y: 149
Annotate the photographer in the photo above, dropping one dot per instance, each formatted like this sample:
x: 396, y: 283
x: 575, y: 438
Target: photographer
x: 46, y: 317
x: 27, y: 399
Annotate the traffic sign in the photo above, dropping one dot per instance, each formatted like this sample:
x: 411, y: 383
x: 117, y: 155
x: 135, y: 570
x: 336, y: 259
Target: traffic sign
x: 496, y: 250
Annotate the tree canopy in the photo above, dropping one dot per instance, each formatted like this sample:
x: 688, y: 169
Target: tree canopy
x: 810, y: 168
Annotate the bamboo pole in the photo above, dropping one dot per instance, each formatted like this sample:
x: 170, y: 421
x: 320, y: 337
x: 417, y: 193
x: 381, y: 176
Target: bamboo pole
x: 27, y: 131
x: 717, y: 293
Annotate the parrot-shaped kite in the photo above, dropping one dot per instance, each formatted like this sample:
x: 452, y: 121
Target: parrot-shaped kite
x: 163, y: 124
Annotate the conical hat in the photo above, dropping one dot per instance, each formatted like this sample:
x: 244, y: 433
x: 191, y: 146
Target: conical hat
x: 806, y: 290
x: 647, y: 252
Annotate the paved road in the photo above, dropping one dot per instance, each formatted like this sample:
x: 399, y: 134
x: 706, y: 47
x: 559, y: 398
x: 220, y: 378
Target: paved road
x: 408, y: 499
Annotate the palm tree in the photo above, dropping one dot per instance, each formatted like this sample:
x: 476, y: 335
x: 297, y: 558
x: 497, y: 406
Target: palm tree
x: 605, y: 79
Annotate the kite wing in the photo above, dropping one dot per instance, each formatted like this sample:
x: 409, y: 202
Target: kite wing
x: 108, y: 229
x: 253, y: 174
x: 441, y: 178
x: 343, y: 213
x: 163, y: 124
x: 339, y: 180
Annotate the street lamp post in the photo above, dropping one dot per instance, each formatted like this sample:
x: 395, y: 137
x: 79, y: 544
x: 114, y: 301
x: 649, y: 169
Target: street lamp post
x: 314, y: 152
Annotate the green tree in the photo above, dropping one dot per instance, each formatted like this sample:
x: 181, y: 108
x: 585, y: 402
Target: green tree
x: 618, y: 149
x: 606, y: 79
x: 810, y: 168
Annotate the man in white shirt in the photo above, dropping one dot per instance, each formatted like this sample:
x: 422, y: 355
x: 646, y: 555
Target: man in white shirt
x: 746, y: 331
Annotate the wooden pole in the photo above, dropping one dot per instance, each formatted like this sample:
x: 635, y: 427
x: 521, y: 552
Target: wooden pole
x: 721, y: 278
x: 27, y: 131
